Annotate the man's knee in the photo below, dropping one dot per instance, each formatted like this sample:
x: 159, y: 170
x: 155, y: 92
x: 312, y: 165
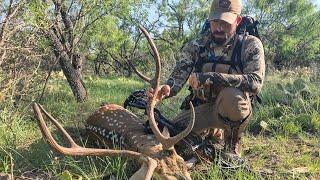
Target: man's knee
x: 233, y: 104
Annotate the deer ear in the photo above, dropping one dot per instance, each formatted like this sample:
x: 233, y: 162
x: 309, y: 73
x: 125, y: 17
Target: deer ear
x: 165, y: 132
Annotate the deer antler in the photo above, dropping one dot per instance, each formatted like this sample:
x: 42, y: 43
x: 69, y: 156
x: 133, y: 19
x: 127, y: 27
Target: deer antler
x: 143, y: 77
x: 156, y: 56
x: 76, y: 150
x: 167, y: 142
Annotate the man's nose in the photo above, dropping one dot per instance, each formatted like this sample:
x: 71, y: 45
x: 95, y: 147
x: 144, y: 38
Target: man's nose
x: 219, y: 27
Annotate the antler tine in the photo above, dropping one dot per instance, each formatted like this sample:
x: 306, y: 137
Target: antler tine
x: 143, y: 77
x: 167, y: 142
x: 156, y: 80
x: 55, y: 122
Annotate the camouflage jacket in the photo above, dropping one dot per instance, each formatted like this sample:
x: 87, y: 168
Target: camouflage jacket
x: 195, y: 51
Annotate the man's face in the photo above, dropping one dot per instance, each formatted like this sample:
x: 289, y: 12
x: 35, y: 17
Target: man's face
x: 222, y: 31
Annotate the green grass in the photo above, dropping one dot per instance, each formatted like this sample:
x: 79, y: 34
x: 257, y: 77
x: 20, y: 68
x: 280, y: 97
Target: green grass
x: 286, y: 147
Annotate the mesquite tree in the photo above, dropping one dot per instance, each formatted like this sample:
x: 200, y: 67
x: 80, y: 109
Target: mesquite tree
x: 65, y: 23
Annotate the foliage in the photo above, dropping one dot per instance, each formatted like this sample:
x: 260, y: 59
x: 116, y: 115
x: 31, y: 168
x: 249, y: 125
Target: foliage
x: 289, y: 30
x: 289, y: 107
x: 297, y: 89
x: 19, y: 57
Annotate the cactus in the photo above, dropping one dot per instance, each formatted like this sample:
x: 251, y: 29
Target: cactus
x: 297, y: 89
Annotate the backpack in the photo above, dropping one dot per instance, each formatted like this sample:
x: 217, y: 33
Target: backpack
x: 249, y: 25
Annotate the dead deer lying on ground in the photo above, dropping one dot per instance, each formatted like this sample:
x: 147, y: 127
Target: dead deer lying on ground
x: 155, y: 151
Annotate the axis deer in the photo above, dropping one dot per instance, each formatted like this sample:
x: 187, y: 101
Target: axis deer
x: 155, y: 151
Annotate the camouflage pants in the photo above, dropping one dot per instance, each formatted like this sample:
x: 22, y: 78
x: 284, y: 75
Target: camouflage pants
x: 231, y: 103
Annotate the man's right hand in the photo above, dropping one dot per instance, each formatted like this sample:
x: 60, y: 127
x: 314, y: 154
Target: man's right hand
x: 164, y: 92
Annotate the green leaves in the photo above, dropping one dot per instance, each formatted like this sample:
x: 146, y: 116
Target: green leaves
x: 289, y: 30
x: 37, y: 14
x: 66, y: 175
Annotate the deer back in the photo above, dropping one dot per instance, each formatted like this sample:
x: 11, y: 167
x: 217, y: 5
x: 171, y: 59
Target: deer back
x: 120, y: 126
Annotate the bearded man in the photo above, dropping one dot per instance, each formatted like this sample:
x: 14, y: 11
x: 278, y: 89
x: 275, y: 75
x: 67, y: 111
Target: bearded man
x: 225, y: 71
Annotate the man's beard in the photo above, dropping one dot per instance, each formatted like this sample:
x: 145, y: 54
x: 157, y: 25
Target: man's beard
x: 221, y: 41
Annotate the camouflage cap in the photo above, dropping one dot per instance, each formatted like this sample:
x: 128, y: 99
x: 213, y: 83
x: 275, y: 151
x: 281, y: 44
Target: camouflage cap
x: 226, y: 10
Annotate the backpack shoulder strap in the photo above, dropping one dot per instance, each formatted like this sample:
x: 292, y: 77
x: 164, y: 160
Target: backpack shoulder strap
x: 201, y: 61
x: 237, y: 53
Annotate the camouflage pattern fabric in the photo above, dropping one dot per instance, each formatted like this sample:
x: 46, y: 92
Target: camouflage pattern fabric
x: 192, y: 53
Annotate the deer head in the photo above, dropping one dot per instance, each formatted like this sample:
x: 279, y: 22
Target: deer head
x: 112, y: 122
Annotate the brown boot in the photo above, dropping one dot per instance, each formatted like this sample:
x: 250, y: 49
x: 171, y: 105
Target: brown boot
x: 232, y: 146
x: 232, y: 140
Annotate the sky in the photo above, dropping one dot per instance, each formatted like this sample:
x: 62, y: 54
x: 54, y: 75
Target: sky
x: 317, y: 2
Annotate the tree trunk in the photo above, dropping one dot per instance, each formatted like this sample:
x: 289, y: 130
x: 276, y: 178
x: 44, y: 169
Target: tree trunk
x: 71, y: 72
x: 74, y: 79
x: 97, y: 68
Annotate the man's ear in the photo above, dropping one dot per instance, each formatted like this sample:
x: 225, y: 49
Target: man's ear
x: 239, y: 19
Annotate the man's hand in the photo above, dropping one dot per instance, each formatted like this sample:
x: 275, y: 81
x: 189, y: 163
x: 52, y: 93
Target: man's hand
x: 194, y: 81
x: 164, y: 92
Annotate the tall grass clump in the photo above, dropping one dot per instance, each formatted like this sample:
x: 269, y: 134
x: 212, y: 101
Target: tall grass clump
x: 290, y: 106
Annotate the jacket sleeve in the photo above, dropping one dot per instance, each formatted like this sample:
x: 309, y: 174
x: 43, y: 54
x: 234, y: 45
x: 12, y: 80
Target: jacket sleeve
x: 253, y: 67
x: 183, y: 68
